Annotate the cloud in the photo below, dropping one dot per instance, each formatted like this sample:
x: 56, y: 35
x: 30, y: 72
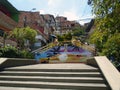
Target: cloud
x: 42, y: 12
x: 54, y: 3
x: 71, y: 15
x: 86, y: 19
x: 50, y: 2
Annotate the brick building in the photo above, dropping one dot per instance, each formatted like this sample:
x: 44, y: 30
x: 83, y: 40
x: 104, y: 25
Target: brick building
x: 33, y: 20
x: 64, y: 26
x: 43, y: 24
x: 50, y: 23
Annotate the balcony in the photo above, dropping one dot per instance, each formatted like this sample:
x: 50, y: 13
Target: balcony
x: 6, y: 22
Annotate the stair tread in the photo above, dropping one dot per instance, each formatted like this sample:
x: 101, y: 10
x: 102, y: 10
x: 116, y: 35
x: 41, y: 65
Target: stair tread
x: 56, y: 66
x: 53, y: 70
x: 54, y: 83
x: 46, y: 77
x: 17, y: 72
x: 21, y: 88
x: 52, y: 77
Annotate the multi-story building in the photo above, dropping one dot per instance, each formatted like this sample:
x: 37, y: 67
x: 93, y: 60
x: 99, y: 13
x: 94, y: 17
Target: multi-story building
x: 43, y: 24
x: 46, y: 25
x: 64, y: 26
x: 49, y: 24
x: 59, y: 24
x: 33, y: 20
x: 8, y: 16
x: 8, y: 19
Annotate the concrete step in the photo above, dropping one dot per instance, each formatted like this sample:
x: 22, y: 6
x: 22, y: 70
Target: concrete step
x: 55, y: 85
x: 53, y: 79
x: 21, y: 88
x: 62, y: 66
x: 52, y: 70
x: 52, y: 74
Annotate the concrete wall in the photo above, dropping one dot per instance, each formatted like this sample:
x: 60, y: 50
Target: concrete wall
x: 13, y: 62
x: 111, y: 74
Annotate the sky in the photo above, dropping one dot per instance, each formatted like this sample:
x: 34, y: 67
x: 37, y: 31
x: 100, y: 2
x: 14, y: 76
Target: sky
x: 74, y: 10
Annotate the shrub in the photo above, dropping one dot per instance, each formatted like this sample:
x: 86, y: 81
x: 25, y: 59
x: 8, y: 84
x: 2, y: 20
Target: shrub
x: 12, y: 52
x: 26, y: 54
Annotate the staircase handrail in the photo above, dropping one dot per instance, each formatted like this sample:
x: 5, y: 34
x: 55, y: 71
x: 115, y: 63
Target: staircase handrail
x: 41, y: 49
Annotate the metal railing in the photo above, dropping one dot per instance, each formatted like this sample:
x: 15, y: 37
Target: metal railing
x: 44, y: 48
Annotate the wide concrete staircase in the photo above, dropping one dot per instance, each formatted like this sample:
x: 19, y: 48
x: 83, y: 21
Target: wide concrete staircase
x: 52, y: 77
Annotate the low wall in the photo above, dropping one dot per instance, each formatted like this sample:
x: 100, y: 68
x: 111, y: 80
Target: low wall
x: 111, y: 74
x: 13, y: 62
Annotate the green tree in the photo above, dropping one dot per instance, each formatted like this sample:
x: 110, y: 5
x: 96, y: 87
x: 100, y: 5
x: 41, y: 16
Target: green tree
x: 78, y: 31
x: 20, y: 35
x: 111, y: 48
x: 68, y: 36
x: 30, y: 35
x: 107, y: 24
x: 60, y: 38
